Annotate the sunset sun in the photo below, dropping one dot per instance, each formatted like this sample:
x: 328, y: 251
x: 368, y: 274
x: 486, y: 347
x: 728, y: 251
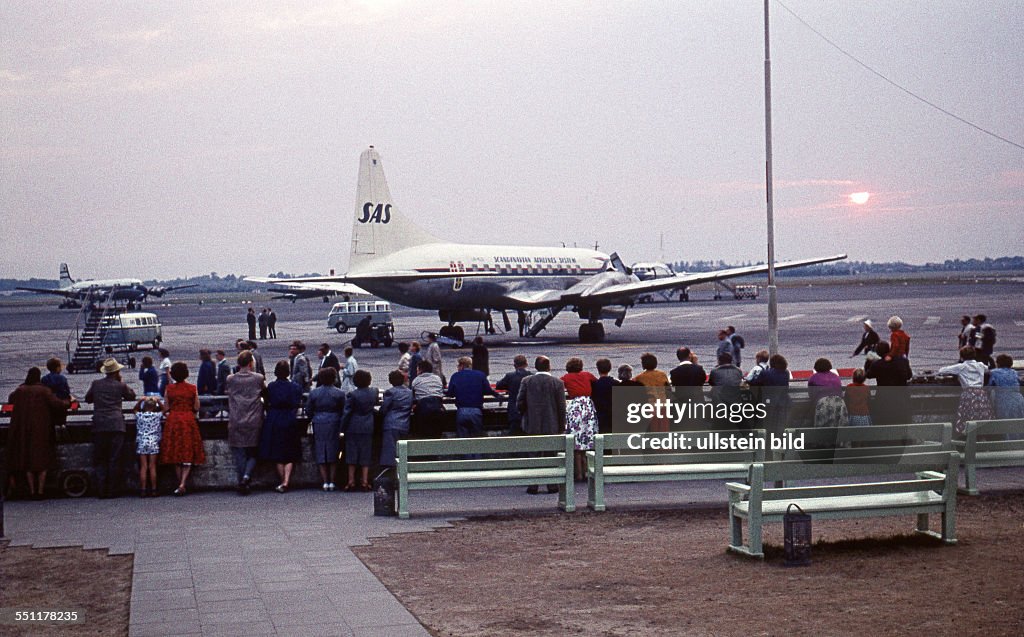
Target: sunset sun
x: 860, y: 198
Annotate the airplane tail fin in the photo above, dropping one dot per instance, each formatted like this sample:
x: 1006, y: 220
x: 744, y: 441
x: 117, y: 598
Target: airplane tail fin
x: 65, y: 276
x: 378, y: 227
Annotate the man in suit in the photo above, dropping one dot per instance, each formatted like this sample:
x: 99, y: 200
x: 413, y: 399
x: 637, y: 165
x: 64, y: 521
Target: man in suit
x: 301, y: 370
x: 687, y: 373
x: 541, y: 402
x: 510, y: 383
x: 223, y: 371
x: 328, y: 359
x: 688, y: 379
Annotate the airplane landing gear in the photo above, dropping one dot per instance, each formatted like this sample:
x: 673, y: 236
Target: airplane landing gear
x: 592, y: 333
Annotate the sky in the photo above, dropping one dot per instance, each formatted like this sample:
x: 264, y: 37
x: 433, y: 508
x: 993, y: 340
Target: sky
x: 172, y: 139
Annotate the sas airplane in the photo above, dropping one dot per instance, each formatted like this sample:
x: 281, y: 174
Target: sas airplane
x: 74, y: 292
x: 398, y: 261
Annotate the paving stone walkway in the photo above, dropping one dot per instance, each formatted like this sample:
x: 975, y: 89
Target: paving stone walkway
x: 280, y: 564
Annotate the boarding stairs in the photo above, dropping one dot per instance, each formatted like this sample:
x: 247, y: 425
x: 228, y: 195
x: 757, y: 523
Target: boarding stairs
x: 95, y: 318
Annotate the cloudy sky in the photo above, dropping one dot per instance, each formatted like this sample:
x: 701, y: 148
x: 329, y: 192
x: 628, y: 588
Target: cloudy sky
x: 179, y: 138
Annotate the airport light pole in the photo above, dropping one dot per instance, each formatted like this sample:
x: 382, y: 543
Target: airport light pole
x: 773, y: 302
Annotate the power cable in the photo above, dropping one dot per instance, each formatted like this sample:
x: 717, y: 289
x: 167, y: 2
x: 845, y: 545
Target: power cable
x: 896, y: 85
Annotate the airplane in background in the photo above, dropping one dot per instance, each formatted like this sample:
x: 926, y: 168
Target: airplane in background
x: 74, y: 292
x: 398, y: 261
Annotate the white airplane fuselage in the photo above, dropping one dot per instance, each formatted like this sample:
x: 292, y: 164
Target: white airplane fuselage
x: 497, y: 277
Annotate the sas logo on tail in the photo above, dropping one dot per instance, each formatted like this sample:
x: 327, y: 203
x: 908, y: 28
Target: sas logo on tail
x: 381, y: 213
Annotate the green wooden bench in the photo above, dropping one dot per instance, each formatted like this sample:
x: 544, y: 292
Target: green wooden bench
x: 985, y: 452
x: 932, y: 489
x: 823, y: 443
x: 539, y: 460
x: 614, y: 460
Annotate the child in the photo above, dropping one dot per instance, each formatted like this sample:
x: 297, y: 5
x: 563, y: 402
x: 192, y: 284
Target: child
x: 858, y: 397
x: 148, y: 432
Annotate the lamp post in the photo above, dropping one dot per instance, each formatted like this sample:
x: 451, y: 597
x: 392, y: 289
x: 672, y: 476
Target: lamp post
x: 773, y: 303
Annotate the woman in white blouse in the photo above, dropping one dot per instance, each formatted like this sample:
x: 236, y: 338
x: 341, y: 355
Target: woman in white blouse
x: 974, y: 403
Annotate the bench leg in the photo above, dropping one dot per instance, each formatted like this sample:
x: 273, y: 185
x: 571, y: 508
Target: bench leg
x: 922, y: 522
x: 949, y: 525
x: 736, y: 524
x: 567, y: 494
x: 970, y: 480
x: 403, y: 500
x: 595, y: 492
x: 756, y: 549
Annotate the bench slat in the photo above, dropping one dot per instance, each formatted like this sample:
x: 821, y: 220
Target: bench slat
x: 861, y: 488
x: 898, y: 503
x: 496, y: 444
x: 494, y: 476
x: 425, y: 466
x: 684, y: 471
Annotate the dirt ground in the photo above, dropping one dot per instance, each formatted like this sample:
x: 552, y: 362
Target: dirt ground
x: 66, y: 579
x: 667, y: 573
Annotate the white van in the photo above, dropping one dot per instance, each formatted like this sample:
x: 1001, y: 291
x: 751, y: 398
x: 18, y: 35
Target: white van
x: 347, y: 314
x: 131, y: 331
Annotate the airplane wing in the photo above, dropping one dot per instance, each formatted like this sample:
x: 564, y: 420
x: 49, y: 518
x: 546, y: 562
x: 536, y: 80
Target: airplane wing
x: 311, y: 290
x: 68, y: 294
x: 158, y: 292
x: 625, y: 292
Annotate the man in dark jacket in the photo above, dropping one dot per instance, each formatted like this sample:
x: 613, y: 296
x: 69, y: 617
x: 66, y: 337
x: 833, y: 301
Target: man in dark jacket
x: 468, y: 387
x: 891, y: 406
x: 107, y: 394
x: 223, y: 371
x: 510, y: 383
x: 250, y: 319
x: 687, y: 373
x: 328, y: 359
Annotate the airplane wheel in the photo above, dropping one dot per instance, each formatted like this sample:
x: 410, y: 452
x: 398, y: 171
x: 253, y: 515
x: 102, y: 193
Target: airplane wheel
x: 592, y: 333
x: 74, y: 484
x: 454, y: 332
x: 341, y: 327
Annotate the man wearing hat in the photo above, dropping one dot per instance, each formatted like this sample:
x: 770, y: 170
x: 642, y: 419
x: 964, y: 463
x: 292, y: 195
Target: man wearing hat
x: 868, y: 340
x: 107, y: 394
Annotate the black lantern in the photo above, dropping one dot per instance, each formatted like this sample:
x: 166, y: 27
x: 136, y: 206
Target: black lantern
x: 797, y: 531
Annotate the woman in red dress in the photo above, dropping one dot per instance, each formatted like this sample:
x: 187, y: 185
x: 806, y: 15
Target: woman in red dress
x: 182, y: 445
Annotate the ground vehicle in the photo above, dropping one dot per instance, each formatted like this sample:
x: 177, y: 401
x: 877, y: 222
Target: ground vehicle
x: 132, y: 331
x: 348, y: 314
x: 745, y: 292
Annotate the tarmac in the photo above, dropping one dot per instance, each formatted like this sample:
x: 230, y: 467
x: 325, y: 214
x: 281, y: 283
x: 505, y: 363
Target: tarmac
x: 217, y: 564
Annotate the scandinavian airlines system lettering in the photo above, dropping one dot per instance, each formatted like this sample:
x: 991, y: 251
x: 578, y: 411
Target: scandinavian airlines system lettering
x: 381, y: 213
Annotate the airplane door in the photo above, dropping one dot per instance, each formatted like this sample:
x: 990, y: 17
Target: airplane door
x: 456, y: 266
